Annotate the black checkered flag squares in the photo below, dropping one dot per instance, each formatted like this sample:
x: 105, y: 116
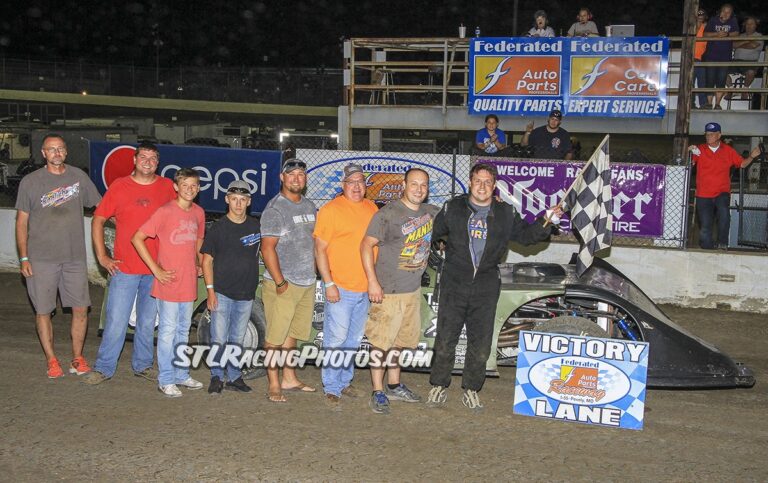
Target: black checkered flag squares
x: 591, y: 209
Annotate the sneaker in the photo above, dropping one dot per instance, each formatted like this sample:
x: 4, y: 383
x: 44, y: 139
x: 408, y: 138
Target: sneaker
x: 437, y: 396
x: 79, y: 366
x: 379, y: 402
x: 350, y: 391
x: 93, y: 378
x: 190, y: 383
x: 253, y: 373
x: 150, y: 374
x: 54, y: 369
x: 215, y: 386
x: 402, y: 393
x: 333, y: 402
x: 237, y: 385
x: 170, y: 390
x: 472, y: 400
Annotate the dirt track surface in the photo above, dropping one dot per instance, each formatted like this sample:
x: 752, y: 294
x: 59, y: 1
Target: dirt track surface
x: 125, y: 429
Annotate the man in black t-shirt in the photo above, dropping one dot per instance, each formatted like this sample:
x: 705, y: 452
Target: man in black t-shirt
x: 549, y: 141
x: 233, y: 242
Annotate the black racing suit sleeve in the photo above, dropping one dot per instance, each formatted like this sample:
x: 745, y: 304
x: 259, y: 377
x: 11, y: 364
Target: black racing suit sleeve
x: 526, y: 233
x: 440, y: 227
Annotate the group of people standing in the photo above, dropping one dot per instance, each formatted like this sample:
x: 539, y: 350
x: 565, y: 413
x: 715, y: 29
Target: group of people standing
x: 724, y: 26
x: 370, y: 262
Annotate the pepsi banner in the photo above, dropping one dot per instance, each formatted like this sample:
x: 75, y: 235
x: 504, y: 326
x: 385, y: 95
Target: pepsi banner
x: 638, y: 192
x: 217, y: 167
x: 598, y: 76
x: 581, y: 379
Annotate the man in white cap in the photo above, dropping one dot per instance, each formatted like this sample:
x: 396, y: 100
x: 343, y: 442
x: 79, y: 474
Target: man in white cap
x: 713, y: 161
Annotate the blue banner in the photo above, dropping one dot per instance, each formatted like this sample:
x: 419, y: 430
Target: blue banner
x: 217, y: 167
x: 581, y: 379
x: 598, y: 76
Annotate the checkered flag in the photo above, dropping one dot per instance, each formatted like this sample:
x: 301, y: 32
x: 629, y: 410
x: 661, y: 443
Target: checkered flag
x: 591, y: 209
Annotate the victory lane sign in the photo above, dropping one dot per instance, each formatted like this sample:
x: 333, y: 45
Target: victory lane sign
x: 581, y: 379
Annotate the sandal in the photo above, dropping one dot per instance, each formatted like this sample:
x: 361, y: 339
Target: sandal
x: 300, y: 388
x: 276, y: 397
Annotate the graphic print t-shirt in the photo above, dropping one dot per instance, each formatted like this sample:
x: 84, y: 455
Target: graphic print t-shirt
x: 478, y: 232
x: 178, y: 232
x: 235, y: 251
x: 405, y: 237
x: 55, y: 205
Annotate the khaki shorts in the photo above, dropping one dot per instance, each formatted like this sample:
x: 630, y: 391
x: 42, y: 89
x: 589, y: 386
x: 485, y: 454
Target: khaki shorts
x: 289, y: 314
x: 395, y: 322
x: 69, y: 279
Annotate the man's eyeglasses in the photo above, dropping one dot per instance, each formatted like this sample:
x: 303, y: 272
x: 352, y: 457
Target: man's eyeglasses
x: 355, y: 181
x: 55, y: 150
x: 294, y: 164
x: 239, y: 191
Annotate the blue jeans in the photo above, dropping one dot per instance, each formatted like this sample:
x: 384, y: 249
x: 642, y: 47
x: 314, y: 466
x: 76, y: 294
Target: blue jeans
x: 707, y: 209
x: 124, y: 289
x: 175, y: 319
x: 700, y: 74
x: 228, y: 324
x: 343, y: 328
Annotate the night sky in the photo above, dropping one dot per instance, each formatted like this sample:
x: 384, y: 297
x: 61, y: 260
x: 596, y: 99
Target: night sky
x: 298, y: 33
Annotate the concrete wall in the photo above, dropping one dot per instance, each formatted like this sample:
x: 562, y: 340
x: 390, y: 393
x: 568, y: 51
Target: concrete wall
x: 691, y: 278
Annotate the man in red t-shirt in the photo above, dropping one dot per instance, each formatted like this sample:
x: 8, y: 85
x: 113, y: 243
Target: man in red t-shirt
x: 714, y: 161
x: 179, y: 227
x: 131, y: 200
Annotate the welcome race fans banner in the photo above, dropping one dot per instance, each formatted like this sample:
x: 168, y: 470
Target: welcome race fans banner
x: 217, y: 167
x: 638, y: 192
x: 609, y: 77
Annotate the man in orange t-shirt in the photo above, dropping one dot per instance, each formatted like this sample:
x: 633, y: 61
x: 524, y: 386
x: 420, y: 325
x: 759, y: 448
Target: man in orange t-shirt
x: 340, y: 227
x: 698, y: 52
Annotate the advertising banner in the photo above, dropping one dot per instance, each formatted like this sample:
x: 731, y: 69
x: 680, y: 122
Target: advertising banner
x: 638, y: 192
x: 384, y: 174
x: 217, y: 167
x: 608, y: 77
x: 581, y: 379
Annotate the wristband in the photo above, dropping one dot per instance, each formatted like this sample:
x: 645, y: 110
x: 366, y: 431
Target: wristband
x: 329, y: 284
x: 282, y: 284
x: 23, y: 259
x: 209, y: 286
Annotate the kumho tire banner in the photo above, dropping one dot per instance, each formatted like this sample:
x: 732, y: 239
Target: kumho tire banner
x: 608, y: 77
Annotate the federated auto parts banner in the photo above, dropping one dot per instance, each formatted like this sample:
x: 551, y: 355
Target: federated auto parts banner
x: 383, y: 172
x: 608, y: 77
x: 638, y: 192
x: 581, y: 379
x: 217, y: 167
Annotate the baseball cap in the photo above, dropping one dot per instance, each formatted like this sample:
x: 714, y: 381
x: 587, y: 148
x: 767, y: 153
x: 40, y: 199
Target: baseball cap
x: 712, y: 127
x: 556, y: 113
x: 293, y: 164
x: 240, y: 187
x: 351, y: 169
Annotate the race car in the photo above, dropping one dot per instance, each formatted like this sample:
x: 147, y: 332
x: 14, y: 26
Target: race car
x: 550, y: 297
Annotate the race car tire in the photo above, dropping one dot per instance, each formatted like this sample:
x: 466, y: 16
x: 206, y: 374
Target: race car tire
x: 570, y: 325
x: 254, y: 332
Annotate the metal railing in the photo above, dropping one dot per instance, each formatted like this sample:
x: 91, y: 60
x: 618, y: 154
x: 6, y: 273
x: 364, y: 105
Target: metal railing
x: 434, y: 71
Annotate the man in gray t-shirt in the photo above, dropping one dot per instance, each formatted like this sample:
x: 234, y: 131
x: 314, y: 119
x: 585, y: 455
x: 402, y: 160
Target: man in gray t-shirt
x: 288, y: 292
x: 50, y: 238
x: 402, y: 231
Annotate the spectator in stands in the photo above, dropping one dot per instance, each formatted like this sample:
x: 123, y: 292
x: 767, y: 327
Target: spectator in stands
x: 584, y: 27
x: 5, y: 153
x: 722, y: 26
x: 746, y: 51
x: 491, y: 140
x: 699, y: 73
x: 541, y: 26
x: 549, y: 141
x: 714, y: 161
